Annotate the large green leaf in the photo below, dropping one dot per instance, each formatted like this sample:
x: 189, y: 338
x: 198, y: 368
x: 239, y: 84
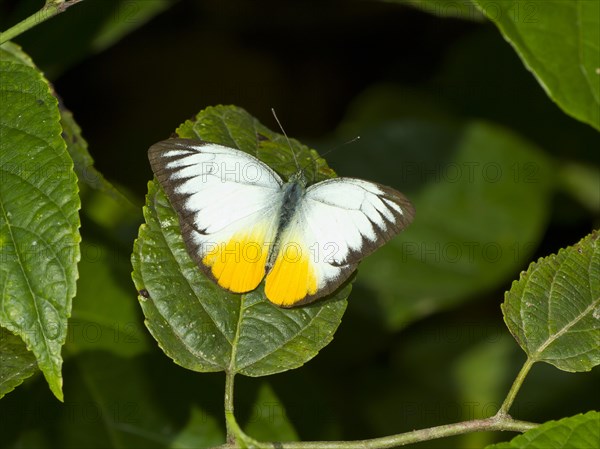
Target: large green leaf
x: 16, y: 362
x: 199, y: 325
x: 482, y: 200
x: 553, y: 310
x: 576, y: 432
x: 39, y: 218
x: 558, y: 41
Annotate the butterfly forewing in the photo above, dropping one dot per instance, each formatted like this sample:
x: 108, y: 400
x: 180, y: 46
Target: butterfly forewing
x: 228, y: 205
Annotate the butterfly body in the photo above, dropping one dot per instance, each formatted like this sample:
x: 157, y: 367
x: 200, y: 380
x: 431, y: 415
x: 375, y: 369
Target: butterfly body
x: 293, y: 191
x: 242, y: 223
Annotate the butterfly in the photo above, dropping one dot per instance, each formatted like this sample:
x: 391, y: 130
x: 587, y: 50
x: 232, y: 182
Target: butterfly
x: 241, y: 223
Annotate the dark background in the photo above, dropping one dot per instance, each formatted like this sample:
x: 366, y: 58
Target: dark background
x: 310, y: 61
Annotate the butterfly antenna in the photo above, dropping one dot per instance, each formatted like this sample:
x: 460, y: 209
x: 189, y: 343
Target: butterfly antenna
x: 330, y: 151
x: 340, y: 145
x: 286, y: 138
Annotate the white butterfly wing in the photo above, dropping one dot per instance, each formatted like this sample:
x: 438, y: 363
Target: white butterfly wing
x: 338, y: 222
x: 228, y: 203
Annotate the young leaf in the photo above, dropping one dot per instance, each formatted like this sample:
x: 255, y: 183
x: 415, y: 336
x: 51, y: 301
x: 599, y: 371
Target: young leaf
x: 198, y: 324
x: 111, y: 404
x: 553, y: 310
x: 97, y: 27
x: 84, y: 163
x: 465, y: 9
x: 105, y: 317
x: 201, y: 431
x: 125, y: 17
x: 39, y: 221
x: 268, y: 420
x: 576, y: 432
x: 569, y: 71
x: 16, y: 362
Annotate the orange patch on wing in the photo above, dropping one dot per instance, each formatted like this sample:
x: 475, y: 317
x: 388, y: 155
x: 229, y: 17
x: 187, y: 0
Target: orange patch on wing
x: 292, y: 277
x: 239, y: 264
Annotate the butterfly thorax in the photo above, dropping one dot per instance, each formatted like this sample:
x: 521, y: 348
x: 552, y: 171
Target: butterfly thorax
x: 293, y: 191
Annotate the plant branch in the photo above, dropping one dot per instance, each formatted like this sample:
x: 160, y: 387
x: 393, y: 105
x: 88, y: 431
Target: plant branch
x: 501, y: 421
x: 514, y: 389
x: 498, y: 422
x: 49, y: 10
x: 432, y: 433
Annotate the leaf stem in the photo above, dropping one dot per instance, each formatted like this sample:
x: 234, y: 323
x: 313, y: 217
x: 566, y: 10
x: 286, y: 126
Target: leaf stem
x: 236, y: 438
x: 230, y: 422
x: 50, y: 9
x: 514, y: 389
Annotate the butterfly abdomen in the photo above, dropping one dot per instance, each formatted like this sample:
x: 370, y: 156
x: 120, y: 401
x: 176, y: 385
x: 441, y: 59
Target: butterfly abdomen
x: 293, y: 191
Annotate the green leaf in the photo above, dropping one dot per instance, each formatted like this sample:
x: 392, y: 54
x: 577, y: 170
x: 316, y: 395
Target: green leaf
x: 576, y: 432
x: 268, y: 420
x: 553, y: 310
x: 16, y: 362
x: 126, y: 17
x: 97, y: 25
x: 111, y: 403
x: 196, y: 323
x: 482, y: 199
x: 464, y: 9
x: 39, y: 218
x: 105, y: 313
x: 201, y: 431
x: 480, y: 374
x: 84, y: 163
x: 582, y: 181
x: 557, y: 41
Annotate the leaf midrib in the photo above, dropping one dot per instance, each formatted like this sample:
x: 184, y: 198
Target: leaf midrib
x: 236, y: 337
x: 31, y: 292
x: 286, y: 341
x: 536, y: 355
x: 575, y: 320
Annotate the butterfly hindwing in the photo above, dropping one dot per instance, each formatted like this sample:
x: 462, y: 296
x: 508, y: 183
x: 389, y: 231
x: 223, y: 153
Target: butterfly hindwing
x: 338, y: 222
x: 228, y: 206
